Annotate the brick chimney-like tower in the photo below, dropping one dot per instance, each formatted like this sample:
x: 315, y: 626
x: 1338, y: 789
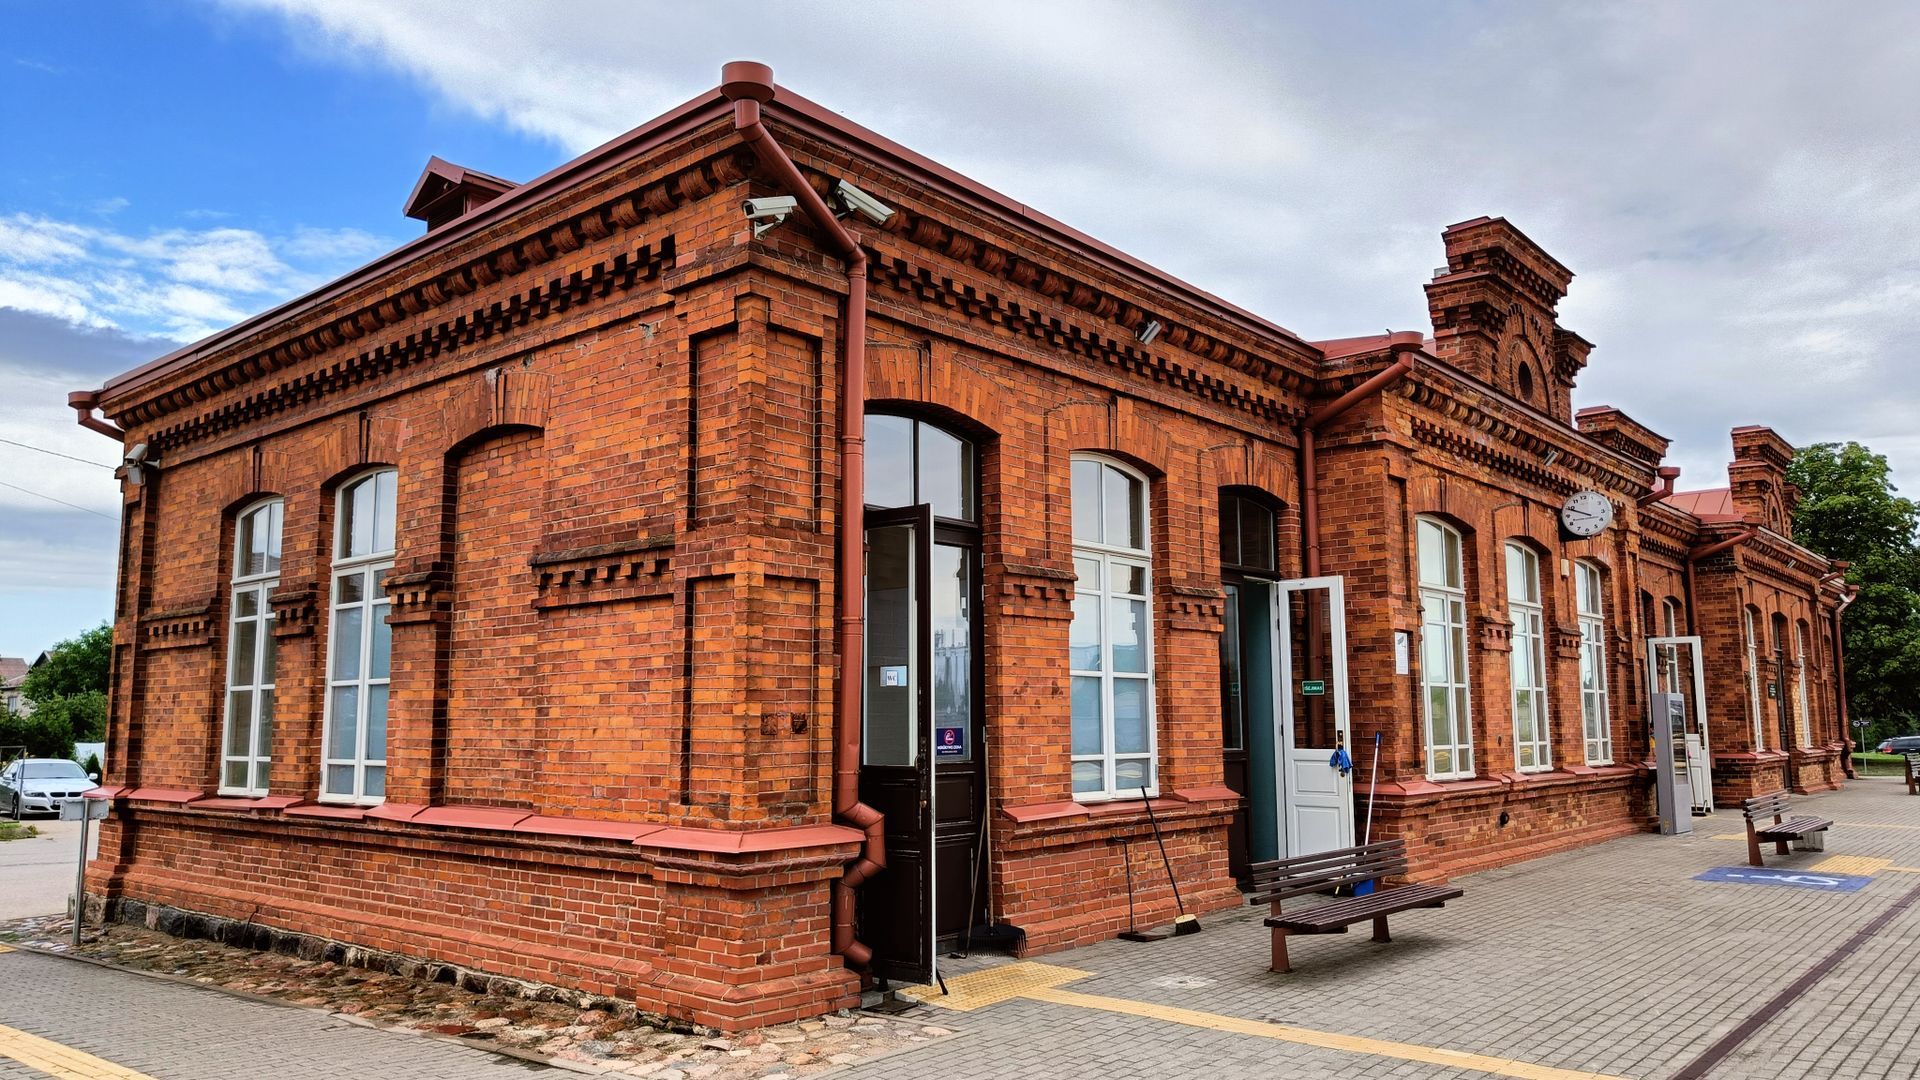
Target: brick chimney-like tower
x: 1494, y: 315
x: 1758, y: 477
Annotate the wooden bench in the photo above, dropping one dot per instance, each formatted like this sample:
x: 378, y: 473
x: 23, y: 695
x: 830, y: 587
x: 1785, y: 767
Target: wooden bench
x: 1284, y: 878
x: 1913, y: 772
x: 1780, y: 829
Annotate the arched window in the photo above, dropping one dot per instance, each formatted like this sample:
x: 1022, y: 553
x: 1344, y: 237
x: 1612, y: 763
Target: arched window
x: 909, y: 462
x: 359, y: 642
x: 247, y: 736
x: 1111, y: 639
x: 1590, y: 612
x: 1532, y: 744
x: 1443, y: 651
x: 1800, y: 684
x: 1754, y: 709
x: 1526, y: 382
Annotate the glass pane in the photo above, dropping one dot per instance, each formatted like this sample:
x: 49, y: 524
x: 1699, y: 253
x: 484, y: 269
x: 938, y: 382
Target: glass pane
x: 1459, y: 638
x: 1129, y: 579
x: 263, y: 744
x: 380, y: 658
x: 946, y: 473
x: 1256, y: 536
x: 377, y: 723
x: 346, y: 642
x: 269, y: 653
x: 952, y: 592
x: 1086, y: 715
x: 1433, y: 653
x: 1432, y: 555
x: 1439, y: 716
x: 235, y: 774
x: 376, y: 782
x: 383, y: 510
x: 1523, y: 716
x: 1130, y: 714
x: 356, y: 519
x: 239, y: 723
x: 889, y: 730
x: 350, y: 588
x: 1525, y: 757
x: 339, y: 779
x: 246, y: 603
x: 1230, y: 530
x: 1083, y: 637
x: 1130, y: 634
x: 1442, y: 761
x: 1087, y: 574
x: 277, y: 512
x: 1452, y: 556
x: 343, y: 736
x: 1232, y: 705
x: 1131, y: 776
x: 246, y: 641
x: 889, y: 466
x: 1086, y: 776
x: 1086, y: 501
x: 1122, y: 500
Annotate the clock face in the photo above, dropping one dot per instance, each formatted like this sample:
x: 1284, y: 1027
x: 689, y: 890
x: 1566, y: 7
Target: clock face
x: 1586, y: 513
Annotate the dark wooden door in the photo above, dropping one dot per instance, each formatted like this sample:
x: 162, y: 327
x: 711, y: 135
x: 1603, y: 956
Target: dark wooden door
x: 959, y: 758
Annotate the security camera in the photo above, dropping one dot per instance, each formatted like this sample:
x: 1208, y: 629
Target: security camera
x: 766, y: 213
x: 859, y: 202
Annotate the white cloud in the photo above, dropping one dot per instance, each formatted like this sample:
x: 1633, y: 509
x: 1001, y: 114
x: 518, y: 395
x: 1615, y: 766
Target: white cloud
x: 178, y: 283
x: 1734, y: 183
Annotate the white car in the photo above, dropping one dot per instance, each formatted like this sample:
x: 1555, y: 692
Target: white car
x: 38, y: 785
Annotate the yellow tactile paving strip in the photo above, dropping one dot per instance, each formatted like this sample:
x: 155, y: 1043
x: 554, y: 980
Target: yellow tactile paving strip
x: 1041, y: 982
x: 1863, y: 865
x: 60, y: 1062
x: 4, y: 948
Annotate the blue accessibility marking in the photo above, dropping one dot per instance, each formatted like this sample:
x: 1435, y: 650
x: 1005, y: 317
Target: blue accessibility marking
x: 1803, y: 879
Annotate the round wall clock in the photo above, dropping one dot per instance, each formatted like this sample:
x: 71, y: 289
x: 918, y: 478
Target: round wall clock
x: 1586, y: 513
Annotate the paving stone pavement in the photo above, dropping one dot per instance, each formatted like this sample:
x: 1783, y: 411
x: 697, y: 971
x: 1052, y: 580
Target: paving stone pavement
x: 1608, y: 960
x: 174, y: 1032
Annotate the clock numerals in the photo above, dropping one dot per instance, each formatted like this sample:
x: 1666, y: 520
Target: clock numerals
x: 1586, y: 513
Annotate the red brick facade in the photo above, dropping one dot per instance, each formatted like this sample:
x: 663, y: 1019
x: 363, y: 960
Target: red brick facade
x: 611, y: 411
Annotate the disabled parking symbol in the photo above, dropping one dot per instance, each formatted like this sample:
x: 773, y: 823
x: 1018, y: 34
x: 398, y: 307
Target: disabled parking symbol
x: 1801, y: 879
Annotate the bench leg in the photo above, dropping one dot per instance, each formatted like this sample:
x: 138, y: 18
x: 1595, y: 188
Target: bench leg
x: 1779, y: 847
x: 1753, y: 847
x: 1380, y: 929
x: 1280, y: 964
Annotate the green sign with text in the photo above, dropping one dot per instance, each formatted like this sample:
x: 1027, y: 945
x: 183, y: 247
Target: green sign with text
x: 1313, y: 687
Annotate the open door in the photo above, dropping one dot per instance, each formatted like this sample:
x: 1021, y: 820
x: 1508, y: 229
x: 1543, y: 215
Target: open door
x: 896, y: 907
x: 1310, y: 712
x: 1673, y: 667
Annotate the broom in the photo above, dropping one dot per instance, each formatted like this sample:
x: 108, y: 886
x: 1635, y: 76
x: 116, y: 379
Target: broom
x: 1183, y: 924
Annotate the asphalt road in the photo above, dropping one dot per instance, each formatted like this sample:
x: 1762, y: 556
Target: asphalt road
x: 36, y: 876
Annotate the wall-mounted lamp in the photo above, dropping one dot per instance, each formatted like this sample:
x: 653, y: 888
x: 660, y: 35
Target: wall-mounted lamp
x: 1149, y: 332
x: 1550, y: 456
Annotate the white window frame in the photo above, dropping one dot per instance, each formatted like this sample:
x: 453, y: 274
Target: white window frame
x: 1443, y: 610
x: 1801, y: 721
x: 1670, y: 658
x: 370, y: 567
x: 1105, y: 559
x: 1527, y: 612
x: 251, y: 589
x: 1590, y: 611
x: 1754, y: 707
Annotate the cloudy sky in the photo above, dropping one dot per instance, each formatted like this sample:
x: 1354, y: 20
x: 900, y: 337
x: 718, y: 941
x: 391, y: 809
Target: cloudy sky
x: 1736, y: 185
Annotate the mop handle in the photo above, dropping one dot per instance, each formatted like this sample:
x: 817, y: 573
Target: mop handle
x: 1373, y: 780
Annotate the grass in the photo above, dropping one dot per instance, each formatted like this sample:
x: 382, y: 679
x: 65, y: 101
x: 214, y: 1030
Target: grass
x: 15, y: 830
x: 1879, y: 764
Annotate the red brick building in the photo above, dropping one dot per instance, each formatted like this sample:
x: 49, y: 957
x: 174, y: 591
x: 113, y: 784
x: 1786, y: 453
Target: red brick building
x: 711, y: 571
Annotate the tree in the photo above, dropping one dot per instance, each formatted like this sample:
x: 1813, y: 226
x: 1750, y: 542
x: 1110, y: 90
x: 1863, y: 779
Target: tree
x: 1849, y: 509
x: 74, y: 666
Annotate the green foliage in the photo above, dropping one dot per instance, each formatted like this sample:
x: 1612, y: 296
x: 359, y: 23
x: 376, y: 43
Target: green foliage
x: 74, y: 666
x: 46, y: 733
x: 1849, y: 509
x: 92, y: 766
x: 10, y: 830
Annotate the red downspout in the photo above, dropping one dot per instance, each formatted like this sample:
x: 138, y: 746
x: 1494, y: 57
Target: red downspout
x: 1668, y: 474
x: 84, y: 402
x: 1707, y: 552
x: 749, y: 85
x: 1325, y: 414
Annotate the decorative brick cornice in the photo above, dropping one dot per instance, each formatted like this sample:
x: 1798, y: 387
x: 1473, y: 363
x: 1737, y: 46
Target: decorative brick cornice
x: 179, y: 628
x: 1496, y: 635
x: 1566, y: 642
x: 895, y: 272
x: 419, y: 596
x: 1036, y: 592
x: 439, y: 287
x: 629, y: 570
x: 1197, y: 608
x: 295, y: 611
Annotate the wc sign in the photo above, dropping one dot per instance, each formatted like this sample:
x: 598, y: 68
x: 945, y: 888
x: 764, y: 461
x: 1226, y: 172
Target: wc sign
x: 1801, y: 879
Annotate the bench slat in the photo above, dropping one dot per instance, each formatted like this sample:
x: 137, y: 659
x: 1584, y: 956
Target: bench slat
x: 1340, y: 914
x: 1795, y: 828
x: 1301, y: 863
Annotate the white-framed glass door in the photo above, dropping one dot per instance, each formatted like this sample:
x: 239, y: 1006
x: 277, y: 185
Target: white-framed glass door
x: 1673, y: 667
x: 1310, y: 713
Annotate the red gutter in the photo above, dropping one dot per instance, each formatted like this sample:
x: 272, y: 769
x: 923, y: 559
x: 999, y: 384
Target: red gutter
x: 83, y: 402
x: 1407, y: 345
x: 1668, y: 474
x: 1707, y: 552
x: 749, y: 85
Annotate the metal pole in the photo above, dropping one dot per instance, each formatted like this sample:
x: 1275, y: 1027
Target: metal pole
x: 80, y: 878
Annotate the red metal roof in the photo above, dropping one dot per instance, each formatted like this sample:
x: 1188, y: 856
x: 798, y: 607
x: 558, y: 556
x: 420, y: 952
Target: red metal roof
x: 1710, y: 505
